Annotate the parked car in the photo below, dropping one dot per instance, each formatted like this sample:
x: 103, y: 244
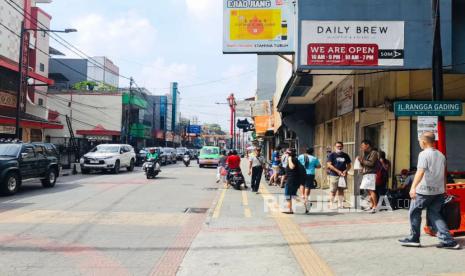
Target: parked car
x: 209, y: 156
x: 109, y: 157
x: 21, y: 161
x: 170, y: 155
x: 140, y: 156
x: 180, y: 153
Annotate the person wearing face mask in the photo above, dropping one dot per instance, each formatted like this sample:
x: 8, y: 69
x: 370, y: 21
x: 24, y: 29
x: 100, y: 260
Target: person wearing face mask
x: 338, y: 164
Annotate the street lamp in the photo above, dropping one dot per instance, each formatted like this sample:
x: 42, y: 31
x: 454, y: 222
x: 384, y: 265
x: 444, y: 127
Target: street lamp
x: 23, y: 67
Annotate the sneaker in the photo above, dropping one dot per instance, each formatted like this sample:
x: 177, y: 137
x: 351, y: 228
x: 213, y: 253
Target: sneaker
x: 408, y: 242
x: 453, y: 245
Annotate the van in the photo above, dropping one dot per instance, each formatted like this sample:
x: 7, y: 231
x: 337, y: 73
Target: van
x: 209, y: 156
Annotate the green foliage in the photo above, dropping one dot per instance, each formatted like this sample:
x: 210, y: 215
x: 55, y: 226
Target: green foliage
x: 93, y: 86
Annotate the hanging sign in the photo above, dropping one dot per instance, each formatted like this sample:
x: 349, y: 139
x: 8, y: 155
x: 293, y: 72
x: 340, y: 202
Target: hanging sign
x: 427, y: 124
x: 428, y: 108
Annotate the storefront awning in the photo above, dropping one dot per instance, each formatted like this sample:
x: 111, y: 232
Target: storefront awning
x: 34, y: 75
x: 99, y: 130
x: 30, y: 123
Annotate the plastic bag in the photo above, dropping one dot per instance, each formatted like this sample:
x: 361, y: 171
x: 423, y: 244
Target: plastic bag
x: 342, y: 182
x: 357, y: 165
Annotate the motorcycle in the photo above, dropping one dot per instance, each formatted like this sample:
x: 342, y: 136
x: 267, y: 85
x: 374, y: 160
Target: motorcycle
x: 186, y: 160
x: 236, y: 178
x: 151, y: 168
x: 268, y: 172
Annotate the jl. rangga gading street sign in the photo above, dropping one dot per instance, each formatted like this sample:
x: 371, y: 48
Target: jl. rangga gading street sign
x: 428, y: 108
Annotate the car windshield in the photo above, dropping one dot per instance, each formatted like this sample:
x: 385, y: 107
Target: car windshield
x: 209, y: 151
x: 106, y: 149
x: 9, y: 150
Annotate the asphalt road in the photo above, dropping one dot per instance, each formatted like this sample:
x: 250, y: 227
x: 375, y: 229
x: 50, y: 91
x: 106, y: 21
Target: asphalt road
x: 104, y: 224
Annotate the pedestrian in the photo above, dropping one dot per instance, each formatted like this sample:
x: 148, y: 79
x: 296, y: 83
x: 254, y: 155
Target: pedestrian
x: 382, y: 175
x: 369, y: 160
x: 275, y: 162
x: 292, y: 180
x: 284, y: 163
x: 220, y: 175
x: 428, y: 192
x: 256, y: 166
x: 339, y: 164
x: 310, y: 163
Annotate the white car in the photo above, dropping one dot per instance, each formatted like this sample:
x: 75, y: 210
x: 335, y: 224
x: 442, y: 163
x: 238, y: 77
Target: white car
x: 109, y: 157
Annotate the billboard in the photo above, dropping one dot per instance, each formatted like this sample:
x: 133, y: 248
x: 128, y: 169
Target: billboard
x: 261, y: 108
x: 258, y: 26
x: 244, y: 108
x: 352, y: 43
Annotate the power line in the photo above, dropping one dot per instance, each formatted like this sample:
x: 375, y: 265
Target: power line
x: 51, y: 35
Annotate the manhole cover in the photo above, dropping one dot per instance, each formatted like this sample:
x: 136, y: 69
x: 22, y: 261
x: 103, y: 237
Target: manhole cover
x: 196, y: 210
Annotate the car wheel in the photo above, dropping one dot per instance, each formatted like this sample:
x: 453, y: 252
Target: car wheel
x: 10, y: 184
x: 200, y: 166
x: 50, y: 180
x: 85, y: 171
x: 131, y: 166
x: 116, y: 168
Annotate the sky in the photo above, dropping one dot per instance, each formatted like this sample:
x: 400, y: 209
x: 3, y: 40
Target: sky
x: 158, y: 42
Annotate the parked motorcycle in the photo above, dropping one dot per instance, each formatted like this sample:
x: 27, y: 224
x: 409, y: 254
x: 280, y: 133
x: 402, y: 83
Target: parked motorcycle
x: 151, y: 168
x: 186, y: 160
x: 268, y: 172
x: 236, y: 178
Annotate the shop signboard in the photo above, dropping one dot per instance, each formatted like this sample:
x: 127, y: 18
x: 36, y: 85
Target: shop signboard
x: 99, y: 138
x: 427, y: 124
x: 261, y: 108
x: 428, y: 108
x: 7, y: 129
x: 352, y: 43
x: 244, y: 108
x: 7, y: 99
x: 195, y: 129
x: 345, y: 96
x: 258, y: 26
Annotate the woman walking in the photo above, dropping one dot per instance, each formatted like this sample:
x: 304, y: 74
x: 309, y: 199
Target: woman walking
x: 292, y: 179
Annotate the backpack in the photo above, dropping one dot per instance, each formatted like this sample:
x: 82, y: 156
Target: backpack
x: 381, y: 173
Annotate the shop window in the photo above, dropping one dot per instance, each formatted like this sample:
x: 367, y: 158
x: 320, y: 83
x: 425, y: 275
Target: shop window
x: 361, y: 97
x: 42, y: 67
x: 41, y: 102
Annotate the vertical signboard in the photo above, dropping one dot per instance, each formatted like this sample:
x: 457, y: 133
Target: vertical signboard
x: 345, y: 96
x: 352, y: 43
x: 258, y: 26
x: 427, y: 124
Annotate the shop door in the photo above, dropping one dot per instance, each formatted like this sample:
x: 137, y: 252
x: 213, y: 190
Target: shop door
x: 374, y: 133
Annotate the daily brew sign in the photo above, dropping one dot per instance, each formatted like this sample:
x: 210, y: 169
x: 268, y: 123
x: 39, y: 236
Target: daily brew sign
x: 258, y: 26
x: 352, y: 43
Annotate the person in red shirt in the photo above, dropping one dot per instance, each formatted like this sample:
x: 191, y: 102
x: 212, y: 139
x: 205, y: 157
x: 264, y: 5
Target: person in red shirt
x: 233, y: 161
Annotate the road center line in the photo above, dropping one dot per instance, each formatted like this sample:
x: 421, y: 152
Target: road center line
x: 219, y: 204
x: 245, y: 203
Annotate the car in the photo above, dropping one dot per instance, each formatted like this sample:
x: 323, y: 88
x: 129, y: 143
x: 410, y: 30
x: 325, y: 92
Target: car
x: 21, y: 161
x: 170, y: 155
x: 180, y: 152
x: 109, y: 157
x: 209, y: 156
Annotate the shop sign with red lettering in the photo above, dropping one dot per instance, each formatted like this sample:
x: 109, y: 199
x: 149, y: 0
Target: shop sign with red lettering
x: 352, y: 43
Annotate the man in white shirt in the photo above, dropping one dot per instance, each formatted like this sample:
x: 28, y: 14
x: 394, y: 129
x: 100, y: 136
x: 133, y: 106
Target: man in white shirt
x: 427, y: 192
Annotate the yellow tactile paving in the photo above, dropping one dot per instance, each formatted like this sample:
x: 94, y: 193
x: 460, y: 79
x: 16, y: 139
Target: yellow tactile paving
x: 308, y: 259
x: 112, y: 218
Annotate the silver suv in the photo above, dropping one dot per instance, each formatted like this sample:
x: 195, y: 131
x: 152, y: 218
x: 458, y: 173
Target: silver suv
x: 109, y: 157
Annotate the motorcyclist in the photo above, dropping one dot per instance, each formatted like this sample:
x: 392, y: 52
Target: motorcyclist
x: 151, y: 154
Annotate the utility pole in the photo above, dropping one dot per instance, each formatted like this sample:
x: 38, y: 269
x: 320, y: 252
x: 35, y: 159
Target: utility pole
x: 22, y: 81
x: 232, y: 105
x: 128, y: 112
x: 438, y: 81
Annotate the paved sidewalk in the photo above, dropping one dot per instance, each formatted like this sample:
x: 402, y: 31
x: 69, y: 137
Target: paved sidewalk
x: 242, y: 237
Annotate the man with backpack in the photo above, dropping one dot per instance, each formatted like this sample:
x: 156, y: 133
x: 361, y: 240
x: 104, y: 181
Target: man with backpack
x: 310, y: 163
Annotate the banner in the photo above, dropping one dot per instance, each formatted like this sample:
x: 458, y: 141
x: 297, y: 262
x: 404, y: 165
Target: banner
x: 195, y: 129
x: 352, y: 43
x: 261, y: 108
x: 258, y: 26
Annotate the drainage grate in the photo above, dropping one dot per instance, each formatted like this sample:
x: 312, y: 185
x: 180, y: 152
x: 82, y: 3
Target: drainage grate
x: 210, y: 189
x: 196, y: 210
